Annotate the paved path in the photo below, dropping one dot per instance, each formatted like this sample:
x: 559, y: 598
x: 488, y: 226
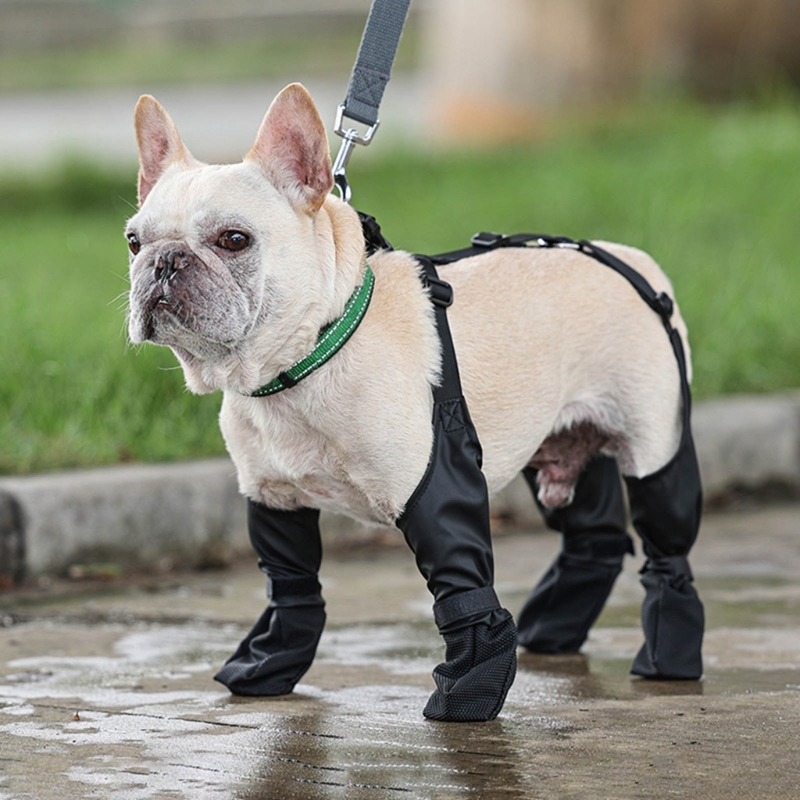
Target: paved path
x: 109, y: 693
x: 217, y: 122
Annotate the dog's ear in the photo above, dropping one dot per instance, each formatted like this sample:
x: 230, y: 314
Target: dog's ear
x: 159, y: 143
x: 292, y: 149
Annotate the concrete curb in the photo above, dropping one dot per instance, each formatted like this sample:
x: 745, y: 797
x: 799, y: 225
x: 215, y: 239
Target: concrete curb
x: 191, y: 513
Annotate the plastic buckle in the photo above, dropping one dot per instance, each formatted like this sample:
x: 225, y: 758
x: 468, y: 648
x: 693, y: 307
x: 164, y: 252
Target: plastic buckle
x: 489, y: 240
x: 558, y: 241
x: 441, y: 292
x: 665, y: 305
x: 373, y: 237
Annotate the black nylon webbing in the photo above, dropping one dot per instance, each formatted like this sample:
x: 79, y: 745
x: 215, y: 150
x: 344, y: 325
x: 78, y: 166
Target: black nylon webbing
x: 449, y: 387
x: 659, y: 302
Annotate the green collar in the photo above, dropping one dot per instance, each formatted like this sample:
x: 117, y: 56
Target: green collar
x: 330, y: 340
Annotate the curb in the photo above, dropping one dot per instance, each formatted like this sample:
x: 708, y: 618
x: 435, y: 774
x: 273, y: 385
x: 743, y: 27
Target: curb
x: 191, y: 512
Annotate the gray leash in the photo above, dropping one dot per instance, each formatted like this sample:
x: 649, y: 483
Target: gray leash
x: 371, y: 73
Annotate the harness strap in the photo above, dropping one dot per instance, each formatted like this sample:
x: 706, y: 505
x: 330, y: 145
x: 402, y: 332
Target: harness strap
x: 441, y: 294
x: 660, y: 302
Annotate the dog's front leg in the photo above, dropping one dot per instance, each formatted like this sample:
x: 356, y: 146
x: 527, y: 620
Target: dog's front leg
x: 446, y: 523
x: 281, y: 646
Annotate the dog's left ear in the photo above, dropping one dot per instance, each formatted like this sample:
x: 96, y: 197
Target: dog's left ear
x: 292, y: 149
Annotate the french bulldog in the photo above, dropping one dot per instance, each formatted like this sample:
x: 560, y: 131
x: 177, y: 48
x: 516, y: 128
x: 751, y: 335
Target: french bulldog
x: 237, y: 268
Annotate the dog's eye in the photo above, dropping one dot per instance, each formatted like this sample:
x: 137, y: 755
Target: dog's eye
x: 134, y: 245
x: 233, y: 240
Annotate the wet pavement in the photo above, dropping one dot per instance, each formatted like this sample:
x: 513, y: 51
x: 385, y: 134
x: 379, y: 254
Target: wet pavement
x: 107, y: 691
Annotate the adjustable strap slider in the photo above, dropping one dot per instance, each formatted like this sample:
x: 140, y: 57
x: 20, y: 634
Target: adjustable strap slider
x: 665, y: 306
x: 489, y: 240
x: 441, y: 292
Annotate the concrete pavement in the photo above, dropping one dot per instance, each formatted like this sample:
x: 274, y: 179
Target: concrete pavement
x: 108, y: 692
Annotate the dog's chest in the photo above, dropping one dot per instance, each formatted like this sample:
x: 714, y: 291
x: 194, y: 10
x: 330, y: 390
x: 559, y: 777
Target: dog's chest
x: 284, y: 462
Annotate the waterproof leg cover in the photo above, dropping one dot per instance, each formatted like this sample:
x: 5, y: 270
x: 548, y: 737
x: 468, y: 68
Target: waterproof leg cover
x: 564, y: 605
x: 665, y: 508
x: 282, y: 644
x: 446, y: 524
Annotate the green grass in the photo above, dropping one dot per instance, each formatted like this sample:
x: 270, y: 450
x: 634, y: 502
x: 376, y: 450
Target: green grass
x: 713, y: 195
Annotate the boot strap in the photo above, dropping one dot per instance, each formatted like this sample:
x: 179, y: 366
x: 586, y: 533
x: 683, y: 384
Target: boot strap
x: 279, y: 588
x: 464, y: 604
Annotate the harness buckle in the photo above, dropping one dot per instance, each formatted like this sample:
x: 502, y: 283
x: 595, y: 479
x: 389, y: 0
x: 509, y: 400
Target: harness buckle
x: 665, y: 305
x: 441, y: 292
x: 558, y: 241
x: 489, y: 240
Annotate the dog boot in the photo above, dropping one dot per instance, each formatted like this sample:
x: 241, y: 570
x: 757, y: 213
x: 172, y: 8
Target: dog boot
x: 480, y: 657
x: 672, y: 620
x: 446, y: 523
x: 281, y: 646
x: 666, y: 508
x: 564, y: 605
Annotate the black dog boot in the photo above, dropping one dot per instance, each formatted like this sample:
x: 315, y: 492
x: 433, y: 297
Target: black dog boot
x: 281, y: 646
x: 666, y: 508
x: 561, y: 609
x: 446, y: 524
x: 480, y: 659
x: 566, y: 602
x: 672, y: 620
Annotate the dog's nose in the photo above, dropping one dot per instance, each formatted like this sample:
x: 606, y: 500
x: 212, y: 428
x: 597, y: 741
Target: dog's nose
x: 168, y: 263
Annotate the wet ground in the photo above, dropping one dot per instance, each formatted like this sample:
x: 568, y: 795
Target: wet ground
x: 108, y: 692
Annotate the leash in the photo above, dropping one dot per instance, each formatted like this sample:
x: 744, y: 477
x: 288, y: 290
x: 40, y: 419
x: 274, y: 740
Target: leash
x: 368, y: 81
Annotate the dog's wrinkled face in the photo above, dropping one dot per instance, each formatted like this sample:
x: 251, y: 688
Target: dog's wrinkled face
x: 217, y: 250
x: 196, y: 260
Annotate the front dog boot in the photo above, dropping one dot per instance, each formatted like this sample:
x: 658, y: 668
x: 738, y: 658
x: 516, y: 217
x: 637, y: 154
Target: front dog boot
x: 480, y: 658
x: 281, y: 646
x: 672, y: 620
x: 446, y: 523
x: 564, y: 605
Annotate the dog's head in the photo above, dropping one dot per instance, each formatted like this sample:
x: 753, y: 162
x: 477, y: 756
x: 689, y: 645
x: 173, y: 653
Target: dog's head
x: 234, y: 267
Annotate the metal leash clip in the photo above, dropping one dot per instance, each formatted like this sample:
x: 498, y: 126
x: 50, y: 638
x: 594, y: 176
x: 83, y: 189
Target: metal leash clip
x: 351, y: 137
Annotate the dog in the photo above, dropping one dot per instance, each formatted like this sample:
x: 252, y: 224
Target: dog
x: 237, y: 268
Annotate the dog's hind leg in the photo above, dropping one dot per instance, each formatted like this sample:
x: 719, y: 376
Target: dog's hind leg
x: 665, y: 509
x: 563, y: 606
x: 281, y: 646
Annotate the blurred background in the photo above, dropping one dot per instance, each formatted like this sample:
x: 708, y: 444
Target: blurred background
x: 671, y: 125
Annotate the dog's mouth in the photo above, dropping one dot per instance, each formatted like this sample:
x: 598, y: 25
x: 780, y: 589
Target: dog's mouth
x: 179, y: 299
x: 156, y: 304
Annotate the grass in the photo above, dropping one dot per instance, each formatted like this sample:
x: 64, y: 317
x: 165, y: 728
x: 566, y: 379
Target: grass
x: 711, y: 193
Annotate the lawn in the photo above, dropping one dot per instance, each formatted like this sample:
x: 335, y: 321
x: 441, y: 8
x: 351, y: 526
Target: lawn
x: 712, y: 194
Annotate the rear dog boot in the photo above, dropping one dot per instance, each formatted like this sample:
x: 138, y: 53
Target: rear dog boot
x: 672, y: 621
x: 281, y: 646
x: 666, y: 508
x: 564, y: 605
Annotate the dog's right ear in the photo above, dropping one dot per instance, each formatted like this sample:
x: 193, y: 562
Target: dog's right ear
x: 159, y: 143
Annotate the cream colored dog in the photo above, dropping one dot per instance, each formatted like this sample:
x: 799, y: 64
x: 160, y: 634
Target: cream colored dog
x: 238, y: 267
